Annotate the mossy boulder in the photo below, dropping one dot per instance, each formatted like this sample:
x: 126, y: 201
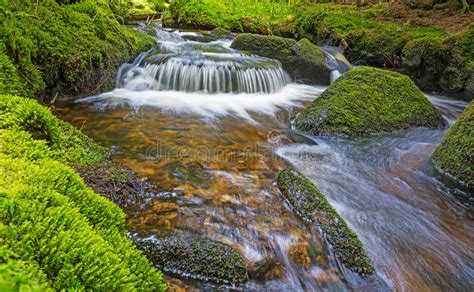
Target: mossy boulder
x: 435, y: 65
x: 455, y: 153
x: 308, y: 201
x: 368, y: 101
x: 195, y: 257
x: 303, y: 60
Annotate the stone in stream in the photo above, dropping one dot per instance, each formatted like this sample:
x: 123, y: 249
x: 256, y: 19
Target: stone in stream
x: 195, y: 257
x: 455, y: 153
x: 434, y: 65
x: 308, y: 201
x: 368, y: 101
x: 303, y: 60
x: 211, y: 36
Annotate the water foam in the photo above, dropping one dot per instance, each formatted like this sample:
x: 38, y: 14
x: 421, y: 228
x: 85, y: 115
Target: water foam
x: 209, y: 105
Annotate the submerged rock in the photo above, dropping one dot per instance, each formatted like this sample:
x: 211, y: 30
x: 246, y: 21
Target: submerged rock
x: 455, y: 153
x: 368, y: 101
x: 195, y: 257
x: 308, y: 201
x: 303, y: 60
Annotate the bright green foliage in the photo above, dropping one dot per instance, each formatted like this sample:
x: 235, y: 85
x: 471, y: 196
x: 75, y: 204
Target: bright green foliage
x: 455, y: 153
x: 51, y: 220
x: 71, y: 49
x: 10, y: 82
x: 19, y: 275
x: 65, y: 142
x: 368, y: 101
x: 302, y: 60
x: 312, y: 205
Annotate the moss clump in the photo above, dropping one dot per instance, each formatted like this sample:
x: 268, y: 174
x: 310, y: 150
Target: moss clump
x: 73, y: 49
x: 65, y: 143
x: 435, y: 65
x: 19, y: 275
x: 368, y: 101
x: 455, y: 153
x: 55, y: 225
x: 302, y: 60
x: 312, y: 205
x: 195, y: 256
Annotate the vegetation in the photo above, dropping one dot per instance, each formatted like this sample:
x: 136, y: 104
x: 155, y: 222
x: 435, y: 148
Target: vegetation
x: 199, y: 258
x: 368, y: 101
x: 312, y: 205
x: 302, y: 60
x: 454, y: 154
x: 49, y: 48
x: 58, y: 233
x: 367, y: 39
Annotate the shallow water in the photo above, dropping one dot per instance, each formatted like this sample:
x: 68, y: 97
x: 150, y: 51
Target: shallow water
x: 213, y: 159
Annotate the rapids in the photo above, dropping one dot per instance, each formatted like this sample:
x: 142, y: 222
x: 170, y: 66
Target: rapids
x: 212, y: 151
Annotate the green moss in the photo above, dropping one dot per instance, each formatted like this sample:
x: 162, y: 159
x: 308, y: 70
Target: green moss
x: 302, y: 60
x: 312, y: 205
x: 19, y: 275
x: 435, y: 65
x: 65, y: 142
x: 196, y: 257
x: 72, y: 49
x: 51, y: 220
x: 455, y: 153
x: 368, y: 101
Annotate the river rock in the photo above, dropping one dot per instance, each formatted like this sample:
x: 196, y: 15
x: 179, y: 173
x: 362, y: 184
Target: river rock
x: 303, y: 60
x: 367, y: 101
x: 455, y: 153
x: 211, y: 36
x: 308, y: 201
x: 195, y: 257
x: 434, y: 65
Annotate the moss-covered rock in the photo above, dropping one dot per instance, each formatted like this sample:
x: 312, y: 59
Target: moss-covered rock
x: 368, y: 101
x: 70, y: 49
x: 302, y: 60
x: 195, y: 257
x: 434, y: 65
x: 455, y: 153
x: 312, y: 205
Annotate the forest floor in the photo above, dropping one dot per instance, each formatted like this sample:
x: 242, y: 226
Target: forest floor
x: 445, y: 19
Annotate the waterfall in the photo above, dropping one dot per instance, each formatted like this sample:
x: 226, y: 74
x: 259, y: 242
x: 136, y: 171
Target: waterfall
x: 204, y: 72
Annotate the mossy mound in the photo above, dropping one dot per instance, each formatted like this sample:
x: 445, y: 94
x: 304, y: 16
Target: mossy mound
x: 60, y: 233
x: 312, y: 205
x: 368, y: 101
x: 71, y: 48
x: 195, y: 257
x: 303, y: 60
x: 455, y: 153
x: 435, y: 65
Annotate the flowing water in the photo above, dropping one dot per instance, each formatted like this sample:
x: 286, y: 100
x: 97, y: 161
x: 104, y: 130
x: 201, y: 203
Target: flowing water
x: 209, y: 127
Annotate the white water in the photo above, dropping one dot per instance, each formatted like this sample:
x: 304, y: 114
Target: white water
x: 210, y: 105
x: 206, y: 79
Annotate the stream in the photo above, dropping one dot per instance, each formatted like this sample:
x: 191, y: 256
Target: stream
x: 208, y: 126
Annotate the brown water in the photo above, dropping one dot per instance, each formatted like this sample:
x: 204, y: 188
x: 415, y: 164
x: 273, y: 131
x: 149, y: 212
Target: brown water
x: 213, y: 160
